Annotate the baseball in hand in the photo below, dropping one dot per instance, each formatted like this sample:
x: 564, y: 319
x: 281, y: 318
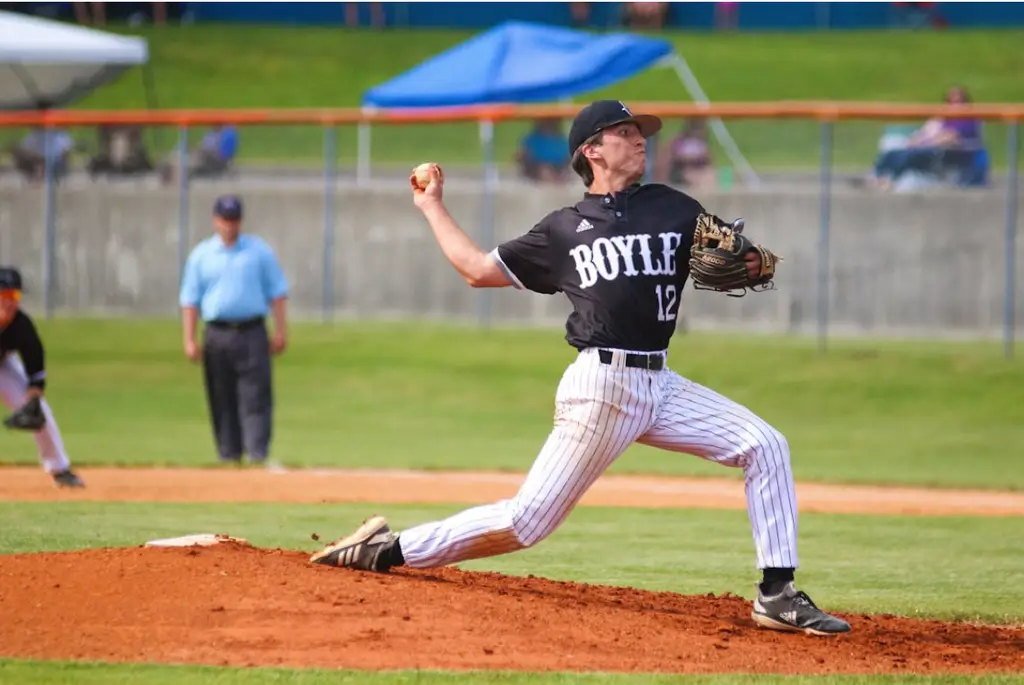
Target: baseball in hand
x: 422, y: 175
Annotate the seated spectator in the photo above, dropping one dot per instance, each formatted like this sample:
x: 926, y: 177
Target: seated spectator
x: 31, y: 154
x: 213, y: 157
x: 377, y: 18
x: 939, y: 147
x: 917, y: 15
x: 687, y: 159
x: 580, y: 13
x: 120, y: 151
x: 645, y: 15
x: 727, y: 16
x: 543, y: 153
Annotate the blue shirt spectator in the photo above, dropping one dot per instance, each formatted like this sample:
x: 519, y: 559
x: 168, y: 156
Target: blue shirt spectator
x: 60, y: 143
x: 546, y: 148
x: 221, y: 141
x: 543, y: 153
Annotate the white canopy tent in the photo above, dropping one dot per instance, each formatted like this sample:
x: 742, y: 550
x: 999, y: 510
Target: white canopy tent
x: 46, y: 63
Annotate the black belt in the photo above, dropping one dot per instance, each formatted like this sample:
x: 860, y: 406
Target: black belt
x: 651, y: 362
x: 243, y: 325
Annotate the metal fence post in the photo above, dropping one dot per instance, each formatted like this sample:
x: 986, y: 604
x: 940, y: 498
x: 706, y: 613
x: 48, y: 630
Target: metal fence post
x: 823, y: 236
x: 50, y: 218
x: 487, y: 220
x: 1009, y: 296
x: 183, y: 219
x: 330, y: 134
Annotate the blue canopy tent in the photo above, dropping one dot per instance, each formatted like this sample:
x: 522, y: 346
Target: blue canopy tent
x: 521, y: 62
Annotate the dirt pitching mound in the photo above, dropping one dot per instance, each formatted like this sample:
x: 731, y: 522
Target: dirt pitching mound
x: 233, y: 604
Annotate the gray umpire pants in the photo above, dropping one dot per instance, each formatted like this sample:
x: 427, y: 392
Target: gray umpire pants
x: 237, y: 368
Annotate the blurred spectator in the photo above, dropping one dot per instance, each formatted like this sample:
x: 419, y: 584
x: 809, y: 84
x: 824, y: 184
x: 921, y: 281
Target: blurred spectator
x: 99, y: 12
x: 917, y: 15
x: 30, y: 154
x: 377, y: 18
x: 727, y: 15
x: 580, y: 12
x: 645, y: 15
x: 941, y: 148
x: 214, y: 156
x: 687, y: 159
x: 120, y: 151
x: 543, y: 153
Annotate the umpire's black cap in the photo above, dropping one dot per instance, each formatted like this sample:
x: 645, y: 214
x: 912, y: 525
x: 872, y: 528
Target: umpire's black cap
x: 603, y: 114
x: 228, y: 207
x: 10, y: 278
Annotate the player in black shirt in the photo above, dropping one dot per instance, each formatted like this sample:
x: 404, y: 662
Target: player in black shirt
x: 23, y: 375
x: 621, y: 257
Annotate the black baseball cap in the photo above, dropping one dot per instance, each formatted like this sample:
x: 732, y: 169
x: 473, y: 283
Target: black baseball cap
x: 10, y: 278
x: 228, y: 207
x: 603, y: 114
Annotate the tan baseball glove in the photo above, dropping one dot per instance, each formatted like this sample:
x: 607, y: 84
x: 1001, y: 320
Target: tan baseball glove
x: 718, y: 258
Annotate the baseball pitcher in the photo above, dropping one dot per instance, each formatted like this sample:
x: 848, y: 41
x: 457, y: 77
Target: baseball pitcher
x: 622, y: 256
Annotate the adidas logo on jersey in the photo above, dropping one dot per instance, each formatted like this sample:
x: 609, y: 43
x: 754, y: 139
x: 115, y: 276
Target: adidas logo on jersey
x: 584, y: 226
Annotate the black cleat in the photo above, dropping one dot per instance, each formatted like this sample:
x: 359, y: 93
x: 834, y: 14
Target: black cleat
x: 67, y: 479
x: 792, y: 610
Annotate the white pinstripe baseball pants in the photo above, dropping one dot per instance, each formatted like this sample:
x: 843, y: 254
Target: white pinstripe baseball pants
x: 600, y: 409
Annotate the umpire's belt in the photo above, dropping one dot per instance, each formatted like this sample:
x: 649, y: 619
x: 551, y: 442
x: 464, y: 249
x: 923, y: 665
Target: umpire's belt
x: 242, y: 325
x: 651, y: 362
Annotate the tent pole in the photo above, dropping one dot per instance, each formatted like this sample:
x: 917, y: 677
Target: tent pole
x: 685, y: 75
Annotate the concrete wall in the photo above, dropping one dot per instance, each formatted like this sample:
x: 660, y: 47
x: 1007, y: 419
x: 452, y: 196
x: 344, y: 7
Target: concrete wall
x: 901, y: 265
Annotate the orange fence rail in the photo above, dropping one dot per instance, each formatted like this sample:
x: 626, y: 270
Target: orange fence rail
x: 821, y: 111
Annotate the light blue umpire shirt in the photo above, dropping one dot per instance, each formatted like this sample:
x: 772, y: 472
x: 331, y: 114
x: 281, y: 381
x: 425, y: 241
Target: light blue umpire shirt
x: 232, y: 283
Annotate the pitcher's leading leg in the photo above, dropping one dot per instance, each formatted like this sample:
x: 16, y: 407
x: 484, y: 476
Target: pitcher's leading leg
x: 589, y: 435
x: 566, y: 467
x: 49, y: 443
x: 693, y: 419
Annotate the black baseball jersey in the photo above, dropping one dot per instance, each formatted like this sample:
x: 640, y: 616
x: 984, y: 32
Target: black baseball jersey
x: 21, y: 336
x: 622, y: 260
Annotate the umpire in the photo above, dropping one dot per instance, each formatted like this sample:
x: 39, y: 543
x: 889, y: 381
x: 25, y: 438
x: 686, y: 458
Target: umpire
x: 232, y: 280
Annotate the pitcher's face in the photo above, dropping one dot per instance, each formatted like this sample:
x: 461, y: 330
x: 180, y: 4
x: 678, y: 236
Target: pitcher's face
x: 623, y: 150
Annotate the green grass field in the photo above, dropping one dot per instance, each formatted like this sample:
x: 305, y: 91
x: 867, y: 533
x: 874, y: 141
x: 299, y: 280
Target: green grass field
x: 228, y: 66
x: 425, y: 396
x: 49, y: 673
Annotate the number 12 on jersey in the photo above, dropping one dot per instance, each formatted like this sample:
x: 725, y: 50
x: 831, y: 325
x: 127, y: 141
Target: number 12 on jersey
x: 667, y: 302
